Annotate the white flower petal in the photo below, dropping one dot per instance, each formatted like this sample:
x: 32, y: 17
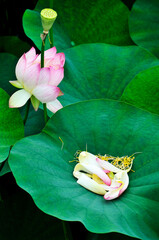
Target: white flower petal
x: 90, y: 184
x: 54, y: 106
x: 77, y: 169
x: 88, y: 161
x: 19, y: 98
x: 108, y: 166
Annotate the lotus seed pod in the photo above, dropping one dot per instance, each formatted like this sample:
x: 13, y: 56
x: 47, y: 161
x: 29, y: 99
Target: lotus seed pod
x: 48, y: 17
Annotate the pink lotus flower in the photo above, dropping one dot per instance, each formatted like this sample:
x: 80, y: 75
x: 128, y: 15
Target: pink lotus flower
x: 39, y: 84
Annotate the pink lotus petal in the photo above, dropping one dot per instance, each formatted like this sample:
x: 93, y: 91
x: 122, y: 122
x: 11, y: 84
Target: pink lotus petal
x: 99, y: 172
x: 56, y: 76
x: 31, y: 55
x: 57, y: 62
x: 110, y: 195
x: 20, y: 68
x: 107, y: 166
x: 44, y: 76
x: 88, y: 160
x: 19, y: 98
x: 106, y: 171
x: 46, y: 93
x: 54, y: 106
x: 48, y: 54
x: 31, y: 75
x: 118, y: 186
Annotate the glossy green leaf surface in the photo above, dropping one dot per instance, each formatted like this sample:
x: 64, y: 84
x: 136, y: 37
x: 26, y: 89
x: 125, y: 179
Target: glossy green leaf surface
x: 144, y: 24
x: 105, y: 126
x: 11, y: 126
x: 101, y: 71
x: 13, y: 45
x: 7, y: 71
x: 143, y: 90
x: 81, y: 22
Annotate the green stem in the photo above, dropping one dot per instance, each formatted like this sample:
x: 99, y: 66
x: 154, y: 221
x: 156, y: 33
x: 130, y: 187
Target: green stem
x: 51, y: 37
x: 45, y: 113
x: 42, y: 52
x: 42, y: 65
x: 66, y: 230
x: 26, y: 111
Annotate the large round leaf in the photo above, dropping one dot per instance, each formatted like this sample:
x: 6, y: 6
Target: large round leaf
x: 11, y: 126
x: 7, y: 71
x: 144, y: 24
x: 14, y: 45
x: 101, y: 71
x: 81, y: 22
x: 143, y: 90
x: 105, y: 126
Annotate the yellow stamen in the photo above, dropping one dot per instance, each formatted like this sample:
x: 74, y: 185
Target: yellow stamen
x: 110, y: 175
x: 62, y: 143
x: 122, y: 185
x: 96, y: 179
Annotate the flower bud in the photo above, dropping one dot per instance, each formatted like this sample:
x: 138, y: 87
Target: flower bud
x: 48, y: 17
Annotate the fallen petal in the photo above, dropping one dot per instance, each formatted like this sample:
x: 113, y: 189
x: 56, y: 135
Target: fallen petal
x: 108, y: 166
x: 88, y: 160
x: 90, y: 184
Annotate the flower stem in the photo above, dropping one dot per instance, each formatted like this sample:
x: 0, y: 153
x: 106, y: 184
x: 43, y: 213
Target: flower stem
x: 51, y: 37
x: 42, y: 65
x: 26, y: 111
x: 42, y: 52
x: 45, y: 113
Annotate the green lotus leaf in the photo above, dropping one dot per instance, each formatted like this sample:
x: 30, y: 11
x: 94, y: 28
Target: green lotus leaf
x: 81, y: 22
x: 101, y: 71
x: 7, y: 71
x: 4, y: 168
x: 11, y: 126
x: 13, y: 45
x: 144, y: 24
x: 41, y: 166
x: 33, y: 28
x: 143, y: 90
